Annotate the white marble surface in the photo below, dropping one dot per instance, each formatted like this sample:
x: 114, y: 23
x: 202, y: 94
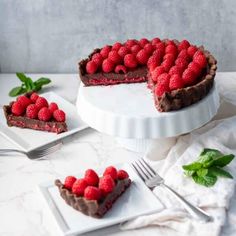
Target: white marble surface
x: 22, y: 211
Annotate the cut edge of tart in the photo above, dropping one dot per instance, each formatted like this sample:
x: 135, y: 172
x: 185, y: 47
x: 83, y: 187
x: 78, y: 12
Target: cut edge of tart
x: 168, y: 100
x: 22, y: 121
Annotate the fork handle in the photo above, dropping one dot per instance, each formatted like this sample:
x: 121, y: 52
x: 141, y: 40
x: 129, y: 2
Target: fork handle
x: 10, y: 150
x: 195, y: 212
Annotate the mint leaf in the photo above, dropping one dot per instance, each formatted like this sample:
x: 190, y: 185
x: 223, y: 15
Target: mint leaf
x: 16, y: 91
x: 189, y: 173
x: 208, y: 155
x: 42, y: 81
x: 202, y: 172
x: 223, y: 160
x: 219, y: 172
x: 193, y: 166
x: 207, y: 180
x: 22, y: 77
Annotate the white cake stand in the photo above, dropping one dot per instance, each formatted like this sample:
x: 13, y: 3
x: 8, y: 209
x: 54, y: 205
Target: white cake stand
x: 127, y: 112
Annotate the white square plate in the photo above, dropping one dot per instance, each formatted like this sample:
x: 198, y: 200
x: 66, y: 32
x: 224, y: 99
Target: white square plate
x: 137, y: 200
x: 28, y: 139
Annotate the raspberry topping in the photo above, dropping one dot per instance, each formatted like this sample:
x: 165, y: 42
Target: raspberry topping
x: 169, y: 56
x: 97, y: 58
x: 91, y: 67
x: 92, y: 193
x: 32, y: 111
x: 17, y: 108
x: 161, y: 89
x: 149, y: 48
x: 142, y: 57
x: 155, y: 41
x: 107, y: 66
x: 183, y: 45
x: 167, y: 64
x: 122, y: 174
x: 157, y: 72
x: 120, y: 69
x: 188, y: 77
x: 111, y: 170
x: 59, y: 115
x: 79, y: 186
x: 41, y: 102
x: 200, y: 60
x: 24, y: 101
x: 130, y: 42
x: 105, y: 51
x: 106, y: 184
x: 153, y: 62
x: 53, y: 107
x: 114, y: 57
x: 91, y: 177
x: 195, y: 68
x: 164, y: 79
x: 181, y: 63
x: 191, y: 50
x: 123, y: 51
x: 116, y: 46
x: 161, y: 46
x: 34, y: 97
x: 130, y: 61
x: 135, y: 49
x: 175, y: 70
x: 171, y: 49
x: 44, y: 114
x: 69, y: 181
x: 176, y: 82
x: 184, y: 54
x: 143, y: 42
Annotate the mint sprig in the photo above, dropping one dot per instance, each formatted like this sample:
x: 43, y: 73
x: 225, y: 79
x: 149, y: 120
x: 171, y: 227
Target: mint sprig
x: 208, y: 167
x: 28, y: 85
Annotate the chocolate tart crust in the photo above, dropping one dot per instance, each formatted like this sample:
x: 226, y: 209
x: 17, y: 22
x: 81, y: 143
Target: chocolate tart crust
x: 92, y: 207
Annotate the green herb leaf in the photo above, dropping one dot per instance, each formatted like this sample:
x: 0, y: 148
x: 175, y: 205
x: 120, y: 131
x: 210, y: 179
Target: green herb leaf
x: 219, y: 172
x: 37, y: 87
x: 16, y: 91
x: 193, y: 166
x: 223, y: 160
x: 22, y: 77
x: 207, y: 180
x: 189, y: 173
x: 202, y: 172
x: 42, y: 81
x: 208, y: 155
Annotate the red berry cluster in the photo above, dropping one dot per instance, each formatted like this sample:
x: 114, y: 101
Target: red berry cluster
x: 36, y: 107
x: 91, y: 186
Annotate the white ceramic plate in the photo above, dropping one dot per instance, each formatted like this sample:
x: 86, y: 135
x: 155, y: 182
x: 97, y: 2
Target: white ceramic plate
x: 137, y: 200
x: 28, y: 139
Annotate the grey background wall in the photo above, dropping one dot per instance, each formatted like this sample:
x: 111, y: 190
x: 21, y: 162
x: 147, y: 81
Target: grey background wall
x: 52, y: 35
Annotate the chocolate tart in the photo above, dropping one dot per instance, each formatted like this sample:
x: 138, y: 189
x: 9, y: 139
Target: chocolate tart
x: 169, y: 101
x: 25, y: 122
x: 96, y: 209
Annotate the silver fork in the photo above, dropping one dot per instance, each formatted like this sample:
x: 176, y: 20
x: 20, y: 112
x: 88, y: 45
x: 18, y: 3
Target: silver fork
x: 36, y: 153
x: 152, y: 179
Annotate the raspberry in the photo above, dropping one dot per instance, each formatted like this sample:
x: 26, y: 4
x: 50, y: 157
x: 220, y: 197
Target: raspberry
x: 183, y: 45
x: 111, y: 170
x: 59, y: 115
x: 176, y: 82
x: 97, y: 58
x: 155, y: 41
x: 91, y: 67
x: 92, y: 193
x: 164, y: 79
x: 120, y: 69
x: 167, y: 64
x: 149, y: 48
x: 135, y: 49
x: 17, y: 108
x: 114, y: 57
x: 130, y: 61
x: 44, y: 114
x: 123, y: 51
x: 169, y: 42
x: 161, y: 89
x: 191, y: 50
x: 79, y: 186
x: 24, y: 101
x: 41, y: 102
x: 188, y: 77
x: 161, y: 46
x: 32, y: 111
x: 130, y: 42
x: 197, y: 53
x: 105, y: 51
x: 181, y: 63
x: 53, y: 107
x: 175, y: 70
x: 169, y: 56
x: 34, y: 97
x: 195, y: 68
x: 158, y: 53
x: 107, y: 66
x: 106, y: 184
x: 122, y: 174
x: 116, y: 46
x: 69, y: 181
x: 153, y: 62
x: 171, y: 49
x: 157, y: 72
x: 200, y: 60
x: 142, y: 57
x: 143, y: 42
x: 184, y: 54
x: 91, y: 177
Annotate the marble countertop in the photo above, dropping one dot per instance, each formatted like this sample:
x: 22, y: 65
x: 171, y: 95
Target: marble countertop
x: 22, y: 210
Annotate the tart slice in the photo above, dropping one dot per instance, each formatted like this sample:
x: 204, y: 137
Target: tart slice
x: 33, y: 112
x: 91, y: 195
x: 179, y: 74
